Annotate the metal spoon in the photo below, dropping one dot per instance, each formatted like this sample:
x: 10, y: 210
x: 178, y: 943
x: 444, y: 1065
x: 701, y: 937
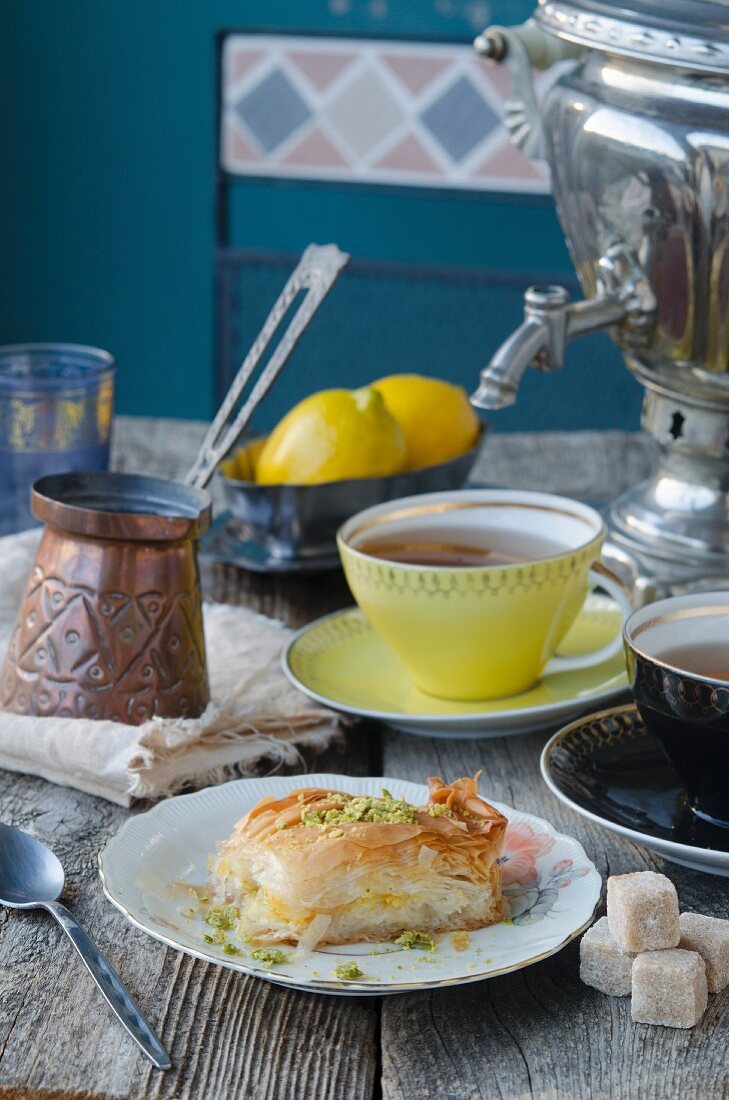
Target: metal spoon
x: 31, y: 877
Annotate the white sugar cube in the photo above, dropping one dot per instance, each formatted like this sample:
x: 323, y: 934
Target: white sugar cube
x: 602, y: 964
x: 642, y: 911
x: 710, y: 937
x: 669, y: 988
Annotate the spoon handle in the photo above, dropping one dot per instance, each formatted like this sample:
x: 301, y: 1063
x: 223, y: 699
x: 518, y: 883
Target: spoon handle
x: 110, y: 984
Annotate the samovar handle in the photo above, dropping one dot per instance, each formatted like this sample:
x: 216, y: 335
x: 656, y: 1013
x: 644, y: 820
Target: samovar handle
x: 523, y: 49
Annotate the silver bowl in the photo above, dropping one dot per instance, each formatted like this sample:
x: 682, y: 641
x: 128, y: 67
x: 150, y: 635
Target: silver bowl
x: 296, y: 522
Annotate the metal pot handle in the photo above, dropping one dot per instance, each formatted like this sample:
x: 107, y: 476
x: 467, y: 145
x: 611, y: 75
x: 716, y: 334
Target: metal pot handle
x: 314, y: 275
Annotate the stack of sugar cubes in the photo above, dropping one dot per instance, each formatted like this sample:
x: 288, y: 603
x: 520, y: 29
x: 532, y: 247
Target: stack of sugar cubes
x: 644, y: 947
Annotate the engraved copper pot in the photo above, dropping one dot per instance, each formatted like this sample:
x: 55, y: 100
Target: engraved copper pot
x: 110, y: 626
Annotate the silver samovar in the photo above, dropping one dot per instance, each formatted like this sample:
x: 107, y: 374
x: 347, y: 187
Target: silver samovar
x: 635, y: 129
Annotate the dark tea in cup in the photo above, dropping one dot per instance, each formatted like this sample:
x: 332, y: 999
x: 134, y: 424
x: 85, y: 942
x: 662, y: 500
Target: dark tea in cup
x: 677, y: 654
x: 465, y: 549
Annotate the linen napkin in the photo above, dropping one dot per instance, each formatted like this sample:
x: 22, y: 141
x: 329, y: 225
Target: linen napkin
x: 255, y: 723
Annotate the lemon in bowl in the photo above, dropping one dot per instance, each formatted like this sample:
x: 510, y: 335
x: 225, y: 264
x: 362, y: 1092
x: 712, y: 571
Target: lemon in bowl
x: 334, y: 454
x: 436, y: 417
x: 333, y: 435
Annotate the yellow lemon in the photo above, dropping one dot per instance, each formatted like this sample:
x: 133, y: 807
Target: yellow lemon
x: 436, y: 417
x: 330, y: 436
x: 241, y: 466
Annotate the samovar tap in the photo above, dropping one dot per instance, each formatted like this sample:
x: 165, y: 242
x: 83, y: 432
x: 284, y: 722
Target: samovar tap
x: 550, y: 320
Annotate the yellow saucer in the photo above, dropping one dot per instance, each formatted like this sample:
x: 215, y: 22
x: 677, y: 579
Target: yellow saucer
x: 340, y: 661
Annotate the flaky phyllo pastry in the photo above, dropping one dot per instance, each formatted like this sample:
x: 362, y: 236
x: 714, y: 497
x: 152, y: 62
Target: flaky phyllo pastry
x: 322, y: 867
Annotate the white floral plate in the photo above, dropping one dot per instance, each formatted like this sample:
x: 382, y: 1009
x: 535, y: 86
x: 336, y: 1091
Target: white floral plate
x: 551, y: 889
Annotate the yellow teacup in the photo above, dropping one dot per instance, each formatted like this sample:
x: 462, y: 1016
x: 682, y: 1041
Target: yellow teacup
x: 482, y: 631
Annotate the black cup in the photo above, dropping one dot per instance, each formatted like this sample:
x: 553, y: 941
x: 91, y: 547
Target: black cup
x: 674, y: 651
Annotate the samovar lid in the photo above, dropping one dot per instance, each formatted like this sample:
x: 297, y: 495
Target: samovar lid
x: 691, y: 33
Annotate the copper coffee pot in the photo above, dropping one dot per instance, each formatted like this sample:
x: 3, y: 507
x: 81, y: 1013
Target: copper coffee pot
x: 111, y: 622
x: 110, y: 625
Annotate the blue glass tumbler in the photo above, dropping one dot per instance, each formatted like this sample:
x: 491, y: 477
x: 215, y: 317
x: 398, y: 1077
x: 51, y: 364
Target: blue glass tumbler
x: 56, y: 408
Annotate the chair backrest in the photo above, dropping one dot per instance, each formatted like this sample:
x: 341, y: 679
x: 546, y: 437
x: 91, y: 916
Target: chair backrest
x: 369, y: 111
x: 416, y: 120
x: 380, y: 318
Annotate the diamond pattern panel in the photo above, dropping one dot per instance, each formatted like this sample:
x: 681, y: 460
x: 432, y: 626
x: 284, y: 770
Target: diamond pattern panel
x: 272, y: 110
x: 368, y: 111
x: 460, y: 119
x: 364, y: 113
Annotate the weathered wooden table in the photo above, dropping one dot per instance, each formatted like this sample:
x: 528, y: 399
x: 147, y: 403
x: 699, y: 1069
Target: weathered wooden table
x: 535, y: 1033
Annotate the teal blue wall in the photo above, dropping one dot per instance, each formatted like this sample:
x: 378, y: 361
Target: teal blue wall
x: 106, y: 208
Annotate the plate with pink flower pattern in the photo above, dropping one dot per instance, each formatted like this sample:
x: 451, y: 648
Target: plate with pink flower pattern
x: 154, y: 867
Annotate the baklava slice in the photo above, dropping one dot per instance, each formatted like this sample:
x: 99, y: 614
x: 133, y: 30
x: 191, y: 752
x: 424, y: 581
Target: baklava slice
x: 326, y: 867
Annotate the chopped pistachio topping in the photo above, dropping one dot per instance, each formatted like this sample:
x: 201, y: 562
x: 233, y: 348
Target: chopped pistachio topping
x: 221, y: 919
x: 222, y: 916
x: 416, y: 941
x: 269, y: 956
x: 230, y: 949
x: 218, y: 937
x: 348, y: 972
x: 362, y: 808
x: 439, y: 810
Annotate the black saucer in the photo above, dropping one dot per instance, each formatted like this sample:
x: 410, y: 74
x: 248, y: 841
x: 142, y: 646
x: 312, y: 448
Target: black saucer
x: 609, y: 768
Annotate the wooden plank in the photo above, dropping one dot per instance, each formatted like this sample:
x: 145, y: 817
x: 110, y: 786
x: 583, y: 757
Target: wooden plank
x: 587, y: 464
x: 292, y: 600
x: 592, y: 465
x: 230, y: 1036
x: 529, y: 1033
x: 539, y: 1032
